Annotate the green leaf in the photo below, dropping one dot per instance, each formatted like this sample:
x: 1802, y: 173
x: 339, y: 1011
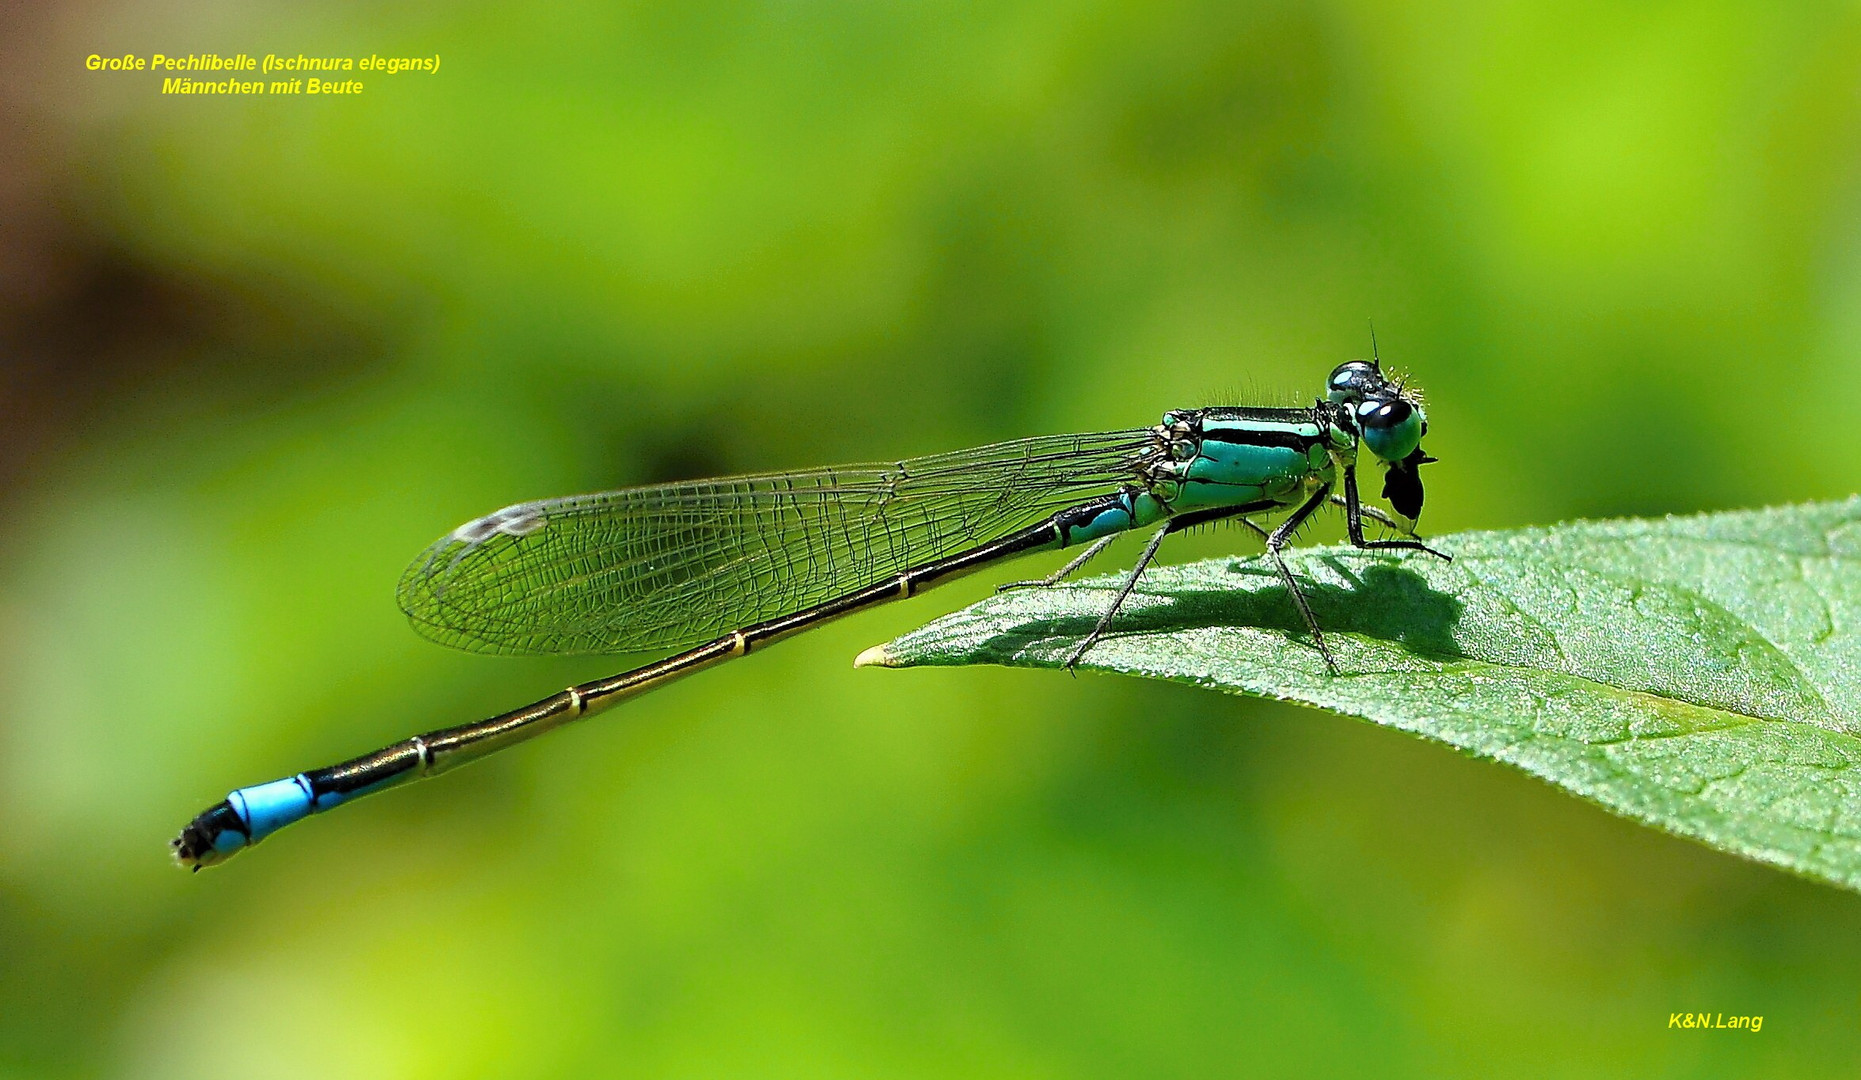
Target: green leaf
x: 1701, y: 674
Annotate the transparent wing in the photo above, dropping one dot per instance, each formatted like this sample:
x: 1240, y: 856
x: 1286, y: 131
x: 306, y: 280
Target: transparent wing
x: 675, y: 565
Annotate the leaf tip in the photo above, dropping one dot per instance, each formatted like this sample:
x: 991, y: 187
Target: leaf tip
x: 875, y: 657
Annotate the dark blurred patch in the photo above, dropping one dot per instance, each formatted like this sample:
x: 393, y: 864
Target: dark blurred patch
x: 669, y: 444
x: 88, y: 326
x: 689, y: 455
x: 630, y: 432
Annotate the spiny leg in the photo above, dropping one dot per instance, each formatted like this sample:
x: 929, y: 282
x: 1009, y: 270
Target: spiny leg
x: 1365, y: 509
x: 1277, y: 540
x: 1063, y: 572
x: 1176, y: 524
x: 1355, y: 511
x: 1258, y: 531
x: 1238, y: 514
x: 1130, y: 582
x: 1368, y: 511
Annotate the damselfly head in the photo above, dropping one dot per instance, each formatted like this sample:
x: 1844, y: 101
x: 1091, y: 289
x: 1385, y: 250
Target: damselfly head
x: 1389, y: 416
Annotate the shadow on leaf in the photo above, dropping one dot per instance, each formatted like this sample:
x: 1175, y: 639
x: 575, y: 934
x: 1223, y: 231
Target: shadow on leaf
x: 1386, y: 602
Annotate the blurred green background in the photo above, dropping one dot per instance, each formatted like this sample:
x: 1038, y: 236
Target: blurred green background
x: 257, y: 353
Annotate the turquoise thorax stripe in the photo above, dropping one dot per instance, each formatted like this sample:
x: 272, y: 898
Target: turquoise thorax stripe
x: 1238, y: 429
x: 1241, y: 461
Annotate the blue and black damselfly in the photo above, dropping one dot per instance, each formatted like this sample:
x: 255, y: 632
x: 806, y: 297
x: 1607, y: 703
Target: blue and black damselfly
x: 721, y: 567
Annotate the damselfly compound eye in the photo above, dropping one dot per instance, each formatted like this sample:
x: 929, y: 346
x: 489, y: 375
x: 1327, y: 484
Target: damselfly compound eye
x: 1392, y: 428
x: 1353, y: 380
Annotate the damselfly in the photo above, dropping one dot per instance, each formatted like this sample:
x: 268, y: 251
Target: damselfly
x: 721, y: 567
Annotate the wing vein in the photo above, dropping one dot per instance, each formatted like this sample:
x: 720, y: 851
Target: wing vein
x: 677, y: 564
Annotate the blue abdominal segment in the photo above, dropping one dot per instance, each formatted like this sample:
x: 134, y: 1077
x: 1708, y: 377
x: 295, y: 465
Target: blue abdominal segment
x: 250, y: 814
x: 1128, y: 510
x: 266, y: 808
